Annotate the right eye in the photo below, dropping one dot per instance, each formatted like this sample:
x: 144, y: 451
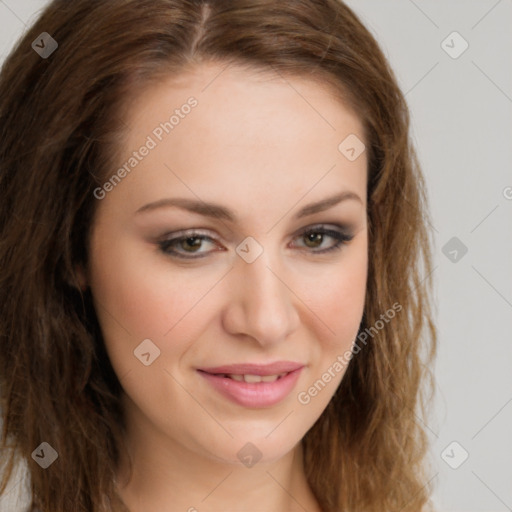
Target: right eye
x: 187, y: 246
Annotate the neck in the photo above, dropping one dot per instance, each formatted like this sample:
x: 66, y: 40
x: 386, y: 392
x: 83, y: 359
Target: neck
x: 168, y: 476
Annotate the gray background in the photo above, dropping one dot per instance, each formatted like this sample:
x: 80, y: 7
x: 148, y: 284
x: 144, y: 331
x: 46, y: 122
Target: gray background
x: 462, y: 126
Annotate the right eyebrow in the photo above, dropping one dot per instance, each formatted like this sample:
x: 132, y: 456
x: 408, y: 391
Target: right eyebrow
x: 218, y: 211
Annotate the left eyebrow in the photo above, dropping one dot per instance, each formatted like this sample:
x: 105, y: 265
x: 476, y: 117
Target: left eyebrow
x: 220, y: 212
x: 327, y: 203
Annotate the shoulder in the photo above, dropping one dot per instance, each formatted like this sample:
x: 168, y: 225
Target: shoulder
x: 16, y: 496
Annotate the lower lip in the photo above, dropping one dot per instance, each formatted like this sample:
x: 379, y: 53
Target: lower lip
x: 254, y: 394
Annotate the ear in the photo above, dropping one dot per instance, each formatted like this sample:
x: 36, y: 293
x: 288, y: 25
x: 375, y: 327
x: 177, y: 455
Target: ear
x: 81, y: 277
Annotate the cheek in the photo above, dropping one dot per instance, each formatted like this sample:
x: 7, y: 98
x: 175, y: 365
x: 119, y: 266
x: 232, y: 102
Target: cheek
x: 350, y: 297
x: 338, y: 303
x: 337, y: 297
x: 137, y: 298
x: 135, y: 289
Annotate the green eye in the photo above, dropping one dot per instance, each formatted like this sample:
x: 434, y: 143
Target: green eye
x: 316, y: 240
x: 183, y: 245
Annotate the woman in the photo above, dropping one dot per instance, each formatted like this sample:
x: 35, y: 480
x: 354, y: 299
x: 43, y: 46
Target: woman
x: 214, y: 261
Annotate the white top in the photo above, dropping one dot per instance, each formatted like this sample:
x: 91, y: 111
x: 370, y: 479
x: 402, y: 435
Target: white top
x: 16, y: 497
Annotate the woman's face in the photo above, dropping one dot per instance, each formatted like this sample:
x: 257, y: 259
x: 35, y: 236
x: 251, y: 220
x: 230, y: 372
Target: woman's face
x: 231, y: 250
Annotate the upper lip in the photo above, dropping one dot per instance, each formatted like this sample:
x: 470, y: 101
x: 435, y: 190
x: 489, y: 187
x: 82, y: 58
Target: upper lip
x: 255, y: 369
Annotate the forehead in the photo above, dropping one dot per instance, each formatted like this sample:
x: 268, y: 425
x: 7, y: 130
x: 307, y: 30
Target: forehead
x: 256, y: 92
x: 248, y: 129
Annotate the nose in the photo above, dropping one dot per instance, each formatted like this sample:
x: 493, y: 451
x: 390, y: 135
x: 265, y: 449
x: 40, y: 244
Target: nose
x: 261, y: 303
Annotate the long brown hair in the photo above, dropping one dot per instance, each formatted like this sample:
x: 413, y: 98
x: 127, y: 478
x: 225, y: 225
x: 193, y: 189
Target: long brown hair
x: 59, y: 131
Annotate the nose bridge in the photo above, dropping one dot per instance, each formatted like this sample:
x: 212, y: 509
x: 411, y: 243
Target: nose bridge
x: 263, y: 306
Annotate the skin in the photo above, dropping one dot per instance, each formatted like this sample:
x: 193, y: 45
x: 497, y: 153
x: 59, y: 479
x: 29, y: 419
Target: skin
x: 264, y: 147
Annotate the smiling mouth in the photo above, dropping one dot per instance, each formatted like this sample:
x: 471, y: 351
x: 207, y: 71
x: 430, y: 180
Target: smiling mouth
x: 257, y: 387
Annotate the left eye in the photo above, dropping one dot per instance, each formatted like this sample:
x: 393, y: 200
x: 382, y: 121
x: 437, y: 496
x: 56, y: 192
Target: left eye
x: 315, y: 237
x: 189, y: 245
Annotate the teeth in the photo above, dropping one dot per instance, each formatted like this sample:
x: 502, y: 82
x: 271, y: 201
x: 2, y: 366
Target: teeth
x: 253, y: 378
x: 269, y: 378
x: 256, y: 378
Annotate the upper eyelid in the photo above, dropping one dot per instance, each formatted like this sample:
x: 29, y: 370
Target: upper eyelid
x: 198, y: 232
x: 203, y: 231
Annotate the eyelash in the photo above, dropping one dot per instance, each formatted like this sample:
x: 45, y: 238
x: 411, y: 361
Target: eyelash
x: 341, y: 238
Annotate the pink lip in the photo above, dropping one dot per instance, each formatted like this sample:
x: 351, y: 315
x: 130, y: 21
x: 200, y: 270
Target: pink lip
x: 254, y: 394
